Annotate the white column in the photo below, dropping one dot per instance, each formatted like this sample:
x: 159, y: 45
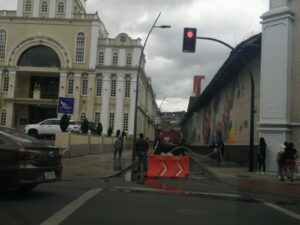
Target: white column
x: 105, y: 102
x: 36, y: 8
x: 91, y: 96
x: 52, y: 8
x: 108, y: 57
x: 12, y: 84
x: 132, y: 105
x: 77, y: 94
x: 119, y: 114
x: 275, y: 78
x: 62, y: 85
x: 20, y: 8
x: 94, y: 44
x: 69, y: 9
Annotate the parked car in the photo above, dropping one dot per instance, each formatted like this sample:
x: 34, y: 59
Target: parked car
x: 26, y: 161
x: 49, y: 127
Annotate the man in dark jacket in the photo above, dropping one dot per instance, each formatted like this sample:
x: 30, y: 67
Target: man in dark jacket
x: 141, y: 152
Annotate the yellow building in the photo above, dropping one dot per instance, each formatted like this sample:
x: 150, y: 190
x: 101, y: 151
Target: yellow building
x: 54, y: 48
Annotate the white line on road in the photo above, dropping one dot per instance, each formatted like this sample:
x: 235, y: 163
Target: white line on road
x: 65, y: 212
x: 283, y: 210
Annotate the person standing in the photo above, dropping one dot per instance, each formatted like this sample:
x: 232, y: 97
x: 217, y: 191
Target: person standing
x: 118, y: 146
x: 290, y: 155
x: 141, y: 152
x: 280, y: 161
x: 262, y: 156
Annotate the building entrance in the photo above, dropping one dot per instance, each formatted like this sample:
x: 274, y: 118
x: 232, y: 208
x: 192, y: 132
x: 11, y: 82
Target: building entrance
x: 36, y: 114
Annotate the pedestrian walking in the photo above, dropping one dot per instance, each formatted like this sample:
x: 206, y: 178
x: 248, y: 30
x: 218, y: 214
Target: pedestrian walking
x: 280, y: 160
x: 118, y: 147
x: 262, y: 156
x: 141, y: 152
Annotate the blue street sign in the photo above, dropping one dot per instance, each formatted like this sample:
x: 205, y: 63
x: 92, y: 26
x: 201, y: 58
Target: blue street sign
x: 65, y: 105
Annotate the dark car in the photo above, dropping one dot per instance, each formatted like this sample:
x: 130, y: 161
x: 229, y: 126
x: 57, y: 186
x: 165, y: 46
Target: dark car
x: 26, y: 161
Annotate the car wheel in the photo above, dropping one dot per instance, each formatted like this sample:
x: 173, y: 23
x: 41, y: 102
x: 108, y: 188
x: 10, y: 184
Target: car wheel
x: 27, y: 187
x: 33, y: 133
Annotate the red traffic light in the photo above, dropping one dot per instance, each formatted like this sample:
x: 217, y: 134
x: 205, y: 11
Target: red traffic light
x: 190, y: 34
x: 189, y: 39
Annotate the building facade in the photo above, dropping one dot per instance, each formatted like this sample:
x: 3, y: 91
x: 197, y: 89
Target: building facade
x: 222, y: 111
x: 54, y: 48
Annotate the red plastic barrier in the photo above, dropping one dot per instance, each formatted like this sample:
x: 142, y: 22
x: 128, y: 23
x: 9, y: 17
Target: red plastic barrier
x: 168, y: 166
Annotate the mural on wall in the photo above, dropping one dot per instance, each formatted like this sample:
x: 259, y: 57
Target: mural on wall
x: 217, y: 123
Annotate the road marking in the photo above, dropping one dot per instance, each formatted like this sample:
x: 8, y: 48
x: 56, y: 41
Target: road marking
x: 58, y: 217
x: 283, y: 210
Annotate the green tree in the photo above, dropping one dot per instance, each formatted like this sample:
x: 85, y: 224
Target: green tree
x: 109, y: 131
x: 64, y: 123
x: 99, y: 129
x: 85, y: 126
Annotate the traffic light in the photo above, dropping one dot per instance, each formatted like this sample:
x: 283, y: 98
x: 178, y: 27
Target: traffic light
x: 189, y: 39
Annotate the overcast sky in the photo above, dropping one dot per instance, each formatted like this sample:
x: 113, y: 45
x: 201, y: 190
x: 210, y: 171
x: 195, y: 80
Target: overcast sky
x: 170, y: 69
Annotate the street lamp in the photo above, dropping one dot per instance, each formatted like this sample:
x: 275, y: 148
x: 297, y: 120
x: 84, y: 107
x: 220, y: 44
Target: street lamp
x: 137, y: 85
x: 251, y: 135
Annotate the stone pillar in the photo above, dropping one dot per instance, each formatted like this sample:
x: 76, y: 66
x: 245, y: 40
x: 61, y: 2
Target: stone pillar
x: 36, y: 8
x: 77, y: 94
x: 119, y: 103
x: 132, y: 105
x: 20, y: 8
x: 69, y: 9
x: 12, y: 84
x: 274, y: 124
x: 105, y: 102
x: 52, y: 8
x: 91, y: 97
x: 62, y: 85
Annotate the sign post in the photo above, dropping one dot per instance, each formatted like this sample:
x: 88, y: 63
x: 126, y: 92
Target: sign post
x: 65, y: 105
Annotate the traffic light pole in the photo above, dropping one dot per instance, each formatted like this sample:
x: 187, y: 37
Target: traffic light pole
x: 251, y: 135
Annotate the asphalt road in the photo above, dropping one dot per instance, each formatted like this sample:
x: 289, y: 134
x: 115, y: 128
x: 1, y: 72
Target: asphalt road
x: 198, y: 200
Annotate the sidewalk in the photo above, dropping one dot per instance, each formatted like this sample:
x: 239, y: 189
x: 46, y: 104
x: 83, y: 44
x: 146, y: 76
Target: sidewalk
x: 96, y: 166
x: 240, y: 176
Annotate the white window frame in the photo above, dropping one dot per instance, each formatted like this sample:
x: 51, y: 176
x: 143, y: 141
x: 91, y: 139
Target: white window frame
x: 70, y: 89
x: 129, y: 59
x: 5, y: 85
x: 44, y: 7
x: 3, y: 117
x: 127, y: 87
x: 113, y: 87
x: 125, y: 121
x: 85, y: 85
x: 60, y: 7
x: 99, y: 83
x: 101, y: 58
x: 28, y: 6
x: 80, y: 47
x: 115, y: 58
x: 82, y: 116
x: 111, y: 120
x: 97, y: 117
x: 3, y: 38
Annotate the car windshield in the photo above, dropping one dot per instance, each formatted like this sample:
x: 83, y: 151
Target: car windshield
x: 18, y: 136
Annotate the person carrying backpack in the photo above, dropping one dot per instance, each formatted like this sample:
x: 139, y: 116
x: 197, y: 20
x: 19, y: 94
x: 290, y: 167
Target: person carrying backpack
x: 118, y: 147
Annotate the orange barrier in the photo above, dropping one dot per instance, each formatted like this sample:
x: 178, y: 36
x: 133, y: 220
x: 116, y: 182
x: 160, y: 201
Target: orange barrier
x: 168, y: 166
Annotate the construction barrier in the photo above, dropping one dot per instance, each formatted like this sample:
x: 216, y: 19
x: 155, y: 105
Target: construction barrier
x: 168, y: 166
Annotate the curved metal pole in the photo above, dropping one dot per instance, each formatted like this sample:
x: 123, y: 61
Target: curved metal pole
x: 137, y: 91
x: 252, y: 101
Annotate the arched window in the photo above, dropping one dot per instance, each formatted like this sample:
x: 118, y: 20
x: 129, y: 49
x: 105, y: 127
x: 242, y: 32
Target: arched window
x: 2, y: 43
x: 5, y: 82
x: 3, y: 117
x: 61, y: 7
x: 44, y: 7
x: 84, y: 89
x: 70, y: 89
x: 115, y: 58
x: 82, y: 116
x: 28, y: 6
x: 113, y: 85
x: 127, y: 86
x: 80, y: 43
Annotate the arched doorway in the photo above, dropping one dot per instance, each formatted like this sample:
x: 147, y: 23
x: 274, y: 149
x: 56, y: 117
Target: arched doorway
x: 42, y: 84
